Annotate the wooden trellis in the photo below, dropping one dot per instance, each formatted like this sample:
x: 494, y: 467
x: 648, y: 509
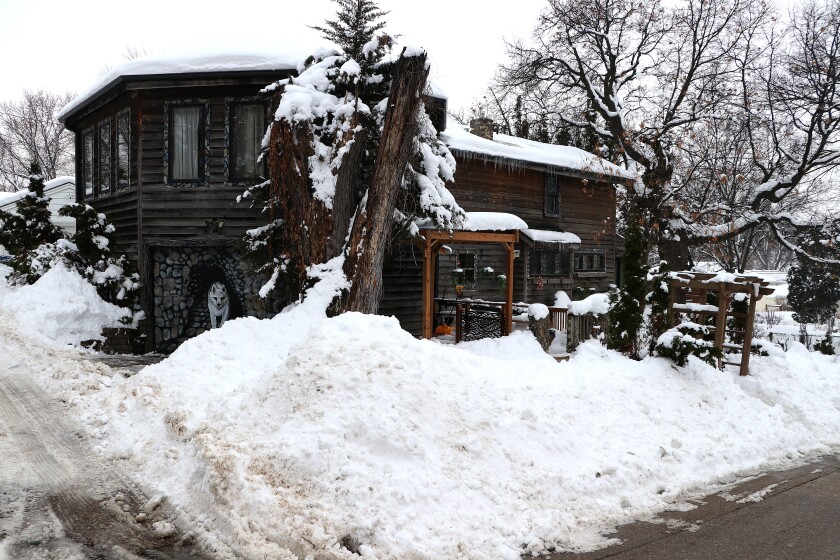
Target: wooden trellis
x: 689, y: 295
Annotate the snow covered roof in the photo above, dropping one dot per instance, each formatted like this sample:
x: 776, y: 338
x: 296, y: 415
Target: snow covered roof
x: 185, y: 62
x: 483, y: 221
x: 548, y: 236
x: 52, y: 184
x: 521, y: 150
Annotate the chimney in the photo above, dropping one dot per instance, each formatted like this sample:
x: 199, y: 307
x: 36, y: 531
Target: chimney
x: 482, y: 126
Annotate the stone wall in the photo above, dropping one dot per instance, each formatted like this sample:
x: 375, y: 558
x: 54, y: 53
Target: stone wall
x: 181, y: 279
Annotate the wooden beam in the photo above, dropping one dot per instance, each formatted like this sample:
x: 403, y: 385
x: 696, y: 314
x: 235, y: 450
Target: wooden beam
x: 471, y: 236
x: 428, y: 301
x: 509, y: 289
x: 720, y: 321
x: 748, y: 333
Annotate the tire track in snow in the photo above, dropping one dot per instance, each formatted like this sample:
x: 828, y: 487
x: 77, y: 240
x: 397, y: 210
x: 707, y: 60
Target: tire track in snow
x: 57, y: 495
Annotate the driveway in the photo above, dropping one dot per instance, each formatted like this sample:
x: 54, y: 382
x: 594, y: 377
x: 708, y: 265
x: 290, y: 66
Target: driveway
x: 58, y: 498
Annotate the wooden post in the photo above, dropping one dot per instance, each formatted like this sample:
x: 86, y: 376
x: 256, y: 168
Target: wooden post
x: 428, y: 297
x: 720, y: 321
x: 509, y: 289
x: 748, y: 332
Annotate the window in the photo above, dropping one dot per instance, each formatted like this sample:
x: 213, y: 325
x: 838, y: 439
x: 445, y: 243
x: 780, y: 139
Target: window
x: 247, y: 128
x: 590, y: 261
x: 549, y: 263
x: 552, y: 196
x: 123, y: 152
x: 464, y: 272
x: 186, y: 143
x: 104, y: 158
x: 87, y: 163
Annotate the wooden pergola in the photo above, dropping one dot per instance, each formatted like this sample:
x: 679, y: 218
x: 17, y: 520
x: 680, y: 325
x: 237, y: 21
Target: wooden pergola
x: 695, y: 288
x: 432, y: 242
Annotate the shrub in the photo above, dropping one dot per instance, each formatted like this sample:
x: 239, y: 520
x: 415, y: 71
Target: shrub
x: 681, y: 342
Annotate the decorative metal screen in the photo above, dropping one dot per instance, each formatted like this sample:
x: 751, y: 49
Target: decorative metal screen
x: 481, y: 322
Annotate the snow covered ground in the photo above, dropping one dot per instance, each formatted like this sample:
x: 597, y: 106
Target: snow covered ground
x: 303, y: 435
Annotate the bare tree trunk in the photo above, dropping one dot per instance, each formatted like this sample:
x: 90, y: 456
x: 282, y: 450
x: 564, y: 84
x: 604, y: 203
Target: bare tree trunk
x: 346, y: 197
x: 374, y: 218
x: 309, y: 219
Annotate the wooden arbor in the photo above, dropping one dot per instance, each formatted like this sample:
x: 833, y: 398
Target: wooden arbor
x: 689, y: 295
x: 433, y: 240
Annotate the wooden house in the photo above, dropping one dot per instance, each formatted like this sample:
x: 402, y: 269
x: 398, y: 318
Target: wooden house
x: 565, y: 195
x: 164, y: 146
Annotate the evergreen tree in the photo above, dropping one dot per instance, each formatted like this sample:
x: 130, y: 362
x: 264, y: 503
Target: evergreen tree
x: 30, y: 227
x: 814, y: 292
x: 521, y: 126
x: 355, y: 26
x: 658, y: 299
x: 627, y: 303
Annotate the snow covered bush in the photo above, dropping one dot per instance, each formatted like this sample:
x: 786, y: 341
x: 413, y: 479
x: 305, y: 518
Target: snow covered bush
x: 687, y: 340
x: 22, y: 232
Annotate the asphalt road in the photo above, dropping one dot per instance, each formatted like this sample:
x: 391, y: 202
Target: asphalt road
x: 58, y: 498
x: 793, y: 514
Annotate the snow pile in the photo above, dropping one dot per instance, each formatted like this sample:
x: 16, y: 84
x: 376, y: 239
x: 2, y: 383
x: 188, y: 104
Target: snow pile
x: 597, y: 304
x: 305, y: 435
x: 62, y: 306
x: 562, y: 299
x: 548, y: 236
x: 482, y: 221
x: 538, y: 311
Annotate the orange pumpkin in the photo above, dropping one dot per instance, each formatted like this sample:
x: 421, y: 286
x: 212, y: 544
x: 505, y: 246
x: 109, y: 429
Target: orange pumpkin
x: 443, y: 329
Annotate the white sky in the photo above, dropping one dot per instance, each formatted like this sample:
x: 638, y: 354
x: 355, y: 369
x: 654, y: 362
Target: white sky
x: 65, y: 45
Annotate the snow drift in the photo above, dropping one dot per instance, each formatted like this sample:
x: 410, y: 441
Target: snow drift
x: 303, y: 435
x: 61, y: 306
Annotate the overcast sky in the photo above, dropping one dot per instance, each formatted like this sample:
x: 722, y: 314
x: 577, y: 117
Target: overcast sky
x: 65, y: 45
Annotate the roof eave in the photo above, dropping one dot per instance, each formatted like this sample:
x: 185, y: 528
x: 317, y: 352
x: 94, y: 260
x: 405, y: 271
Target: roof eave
x: 571, y: 172
x: 121, y: 82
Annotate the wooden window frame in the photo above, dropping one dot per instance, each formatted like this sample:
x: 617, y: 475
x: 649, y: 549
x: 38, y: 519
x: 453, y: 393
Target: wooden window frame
x: 230, y: 146
x: 88, y: 166
x: 468, y: 283
x: 536, y: 256
x: 583, y: 253
x: 100, y: 166
x: 203, y: 178
x: 116, y: 149
x: 555, y: 180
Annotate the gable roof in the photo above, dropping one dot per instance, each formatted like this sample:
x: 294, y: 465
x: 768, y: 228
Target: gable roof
x: 186, y: 64
x: 50, y: 186
x: 511, y: 150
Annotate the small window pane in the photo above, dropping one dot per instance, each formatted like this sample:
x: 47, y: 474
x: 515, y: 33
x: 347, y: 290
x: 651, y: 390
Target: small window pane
x: 123, y: 151
x: 104, y: 158
x: 186, y: 139
x: 87, y: 164
x: 552, y: 196
x: 248, y: 130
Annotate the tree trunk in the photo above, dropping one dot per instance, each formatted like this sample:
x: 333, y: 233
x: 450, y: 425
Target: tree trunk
x: 374, y: 217
x: 308, y: 220
x: 346, y: 196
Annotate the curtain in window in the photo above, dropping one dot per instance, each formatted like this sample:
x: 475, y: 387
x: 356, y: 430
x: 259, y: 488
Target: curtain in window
x: 186, y: 127
x: 248, y: 131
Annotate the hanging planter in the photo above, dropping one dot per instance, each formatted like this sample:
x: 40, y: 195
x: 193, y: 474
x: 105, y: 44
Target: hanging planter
x: 501, y: 281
